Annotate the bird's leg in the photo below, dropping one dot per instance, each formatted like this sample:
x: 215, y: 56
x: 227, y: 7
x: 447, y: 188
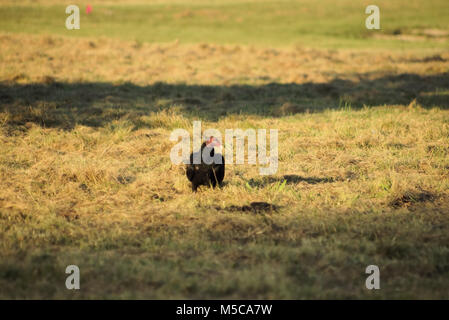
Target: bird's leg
x: 214, y: 182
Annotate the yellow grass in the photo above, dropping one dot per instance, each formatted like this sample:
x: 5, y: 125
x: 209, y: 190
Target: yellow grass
x: 85, y: 169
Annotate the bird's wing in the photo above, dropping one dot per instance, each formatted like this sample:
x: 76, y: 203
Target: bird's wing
x: 220, y: 170
x: 190, y: 171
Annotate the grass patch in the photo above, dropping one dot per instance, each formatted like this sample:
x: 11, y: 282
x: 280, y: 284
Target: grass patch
x: 267, y: 23
x: 86, y: 178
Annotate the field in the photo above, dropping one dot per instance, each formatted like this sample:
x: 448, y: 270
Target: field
x: 85, y: 170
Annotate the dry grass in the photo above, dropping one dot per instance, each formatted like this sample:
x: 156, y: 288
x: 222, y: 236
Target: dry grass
x: 85, y: 174
x: 50, y: 59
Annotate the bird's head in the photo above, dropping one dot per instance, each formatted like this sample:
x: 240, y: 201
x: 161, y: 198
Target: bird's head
x: 213, y: 142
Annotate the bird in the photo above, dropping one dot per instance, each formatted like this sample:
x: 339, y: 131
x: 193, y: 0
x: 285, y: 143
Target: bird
x: 204, y: 173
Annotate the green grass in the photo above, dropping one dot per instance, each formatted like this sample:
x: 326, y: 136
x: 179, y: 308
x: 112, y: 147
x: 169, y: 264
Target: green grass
x: 268, y: 23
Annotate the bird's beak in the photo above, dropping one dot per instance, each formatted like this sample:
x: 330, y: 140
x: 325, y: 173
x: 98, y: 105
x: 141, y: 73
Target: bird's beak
x: 214, y: 143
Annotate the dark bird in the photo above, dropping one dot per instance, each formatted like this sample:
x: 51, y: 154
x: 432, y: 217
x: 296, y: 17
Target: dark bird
x: 204, y: 173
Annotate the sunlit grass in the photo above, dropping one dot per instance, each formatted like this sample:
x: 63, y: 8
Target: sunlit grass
x: 267, y: 23
x: 86, y: 177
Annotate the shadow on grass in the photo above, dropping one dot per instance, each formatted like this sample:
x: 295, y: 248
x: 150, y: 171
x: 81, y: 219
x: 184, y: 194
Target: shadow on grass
x: 63, y: 105
x: 290, y: 179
